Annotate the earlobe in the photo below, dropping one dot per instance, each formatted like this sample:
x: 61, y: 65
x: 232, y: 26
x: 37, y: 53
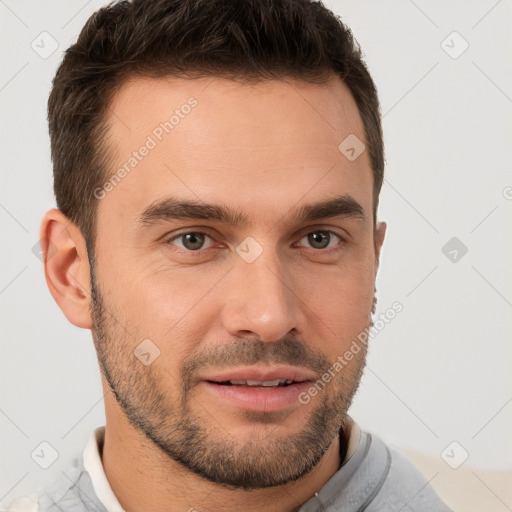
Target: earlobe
x: 66, y: 267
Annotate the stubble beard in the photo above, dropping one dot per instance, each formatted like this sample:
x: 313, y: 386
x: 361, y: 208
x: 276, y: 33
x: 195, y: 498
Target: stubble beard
x: 266, y: 456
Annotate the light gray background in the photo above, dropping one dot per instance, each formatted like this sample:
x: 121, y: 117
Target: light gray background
x: 440, y: 371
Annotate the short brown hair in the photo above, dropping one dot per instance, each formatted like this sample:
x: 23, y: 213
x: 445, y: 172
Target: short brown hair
x: 241, y: 40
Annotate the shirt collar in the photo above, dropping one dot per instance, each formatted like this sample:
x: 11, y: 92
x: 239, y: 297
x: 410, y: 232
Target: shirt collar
x: 94, y: 466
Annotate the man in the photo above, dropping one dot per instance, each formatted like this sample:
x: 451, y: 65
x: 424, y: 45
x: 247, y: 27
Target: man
x: 217, y: 170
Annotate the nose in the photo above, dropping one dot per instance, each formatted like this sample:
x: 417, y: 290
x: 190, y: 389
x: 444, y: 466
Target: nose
x: 262, y: 300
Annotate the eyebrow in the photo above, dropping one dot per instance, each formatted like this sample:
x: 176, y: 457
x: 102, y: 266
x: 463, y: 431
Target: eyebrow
x: 172, y: 208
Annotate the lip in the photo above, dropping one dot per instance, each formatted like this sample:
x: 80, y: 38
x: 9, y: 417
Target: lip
x: 260, y: 399
x: 261, y: 373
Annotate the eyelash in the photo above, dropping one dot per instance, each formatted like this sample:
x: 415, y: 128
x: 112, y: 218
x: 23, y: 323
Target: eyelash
x: 200, y: 251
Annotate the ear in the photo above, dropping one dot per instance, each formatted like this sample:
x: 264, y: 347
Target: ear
x: 66, y: 267
x: 380, y: 233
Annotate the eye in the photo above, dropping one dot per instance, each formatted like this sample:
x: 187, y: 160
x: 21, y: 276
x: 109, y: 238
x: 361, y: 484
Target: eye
x: 322, y: 239
x: 191, y: 241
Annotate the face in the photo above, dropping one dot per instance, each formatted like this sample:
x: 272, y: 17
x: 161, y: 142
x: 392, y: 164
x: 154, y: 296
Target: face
x: 235, y: 262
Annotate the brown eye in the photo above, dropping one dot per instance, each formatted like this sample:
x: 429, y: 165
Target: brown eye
x: 192, y: 241
x: 321, y: 239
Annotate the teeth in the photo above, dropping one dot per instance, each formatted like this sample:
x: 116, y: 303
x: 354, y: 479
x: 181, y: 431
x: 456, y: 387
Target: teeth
x: 266, y: 383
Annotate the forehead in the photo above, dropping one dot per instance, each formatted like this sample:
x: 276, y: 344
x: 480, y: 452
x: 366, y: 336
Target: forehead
x: 269, y: 143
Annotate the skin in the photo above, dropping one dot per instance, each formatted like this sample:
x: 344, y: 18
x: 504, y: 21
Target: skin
x: 263, y: 150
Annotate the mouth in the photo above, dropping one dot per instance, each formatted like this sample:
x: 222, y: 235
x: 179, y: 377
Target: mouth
x: 276, y: 383
x: 259, y: 389
x: 260, y: 375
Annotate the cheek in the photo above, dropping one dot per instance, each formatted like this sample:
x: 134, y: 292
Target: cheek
x: 338, y: 303
x: 339, y: 292
x: 171, y: 308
